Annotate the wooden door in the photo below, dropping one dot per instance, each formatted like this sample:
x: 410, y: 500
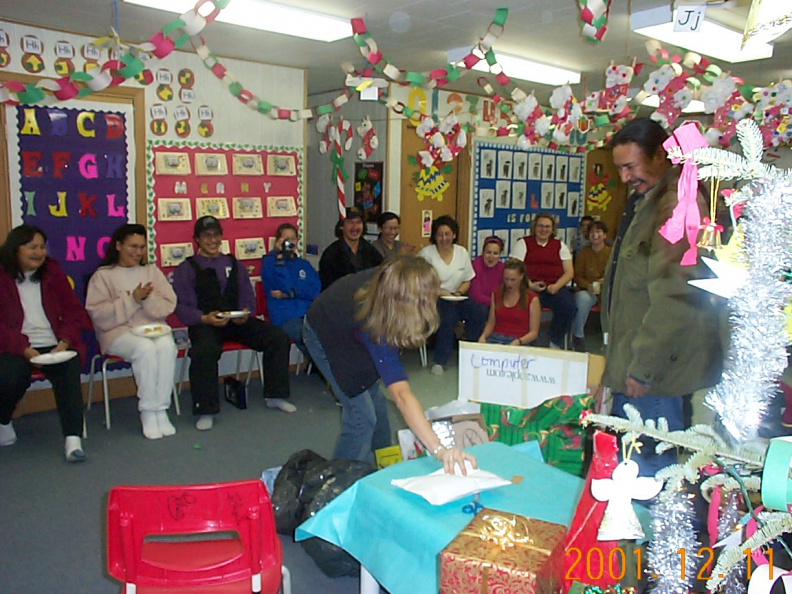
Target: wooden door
x: 453, y: 201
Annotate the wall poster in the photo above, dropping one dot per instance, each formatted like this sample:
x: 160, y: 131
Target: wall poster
x: 511, y: 186
x: 368, y: 190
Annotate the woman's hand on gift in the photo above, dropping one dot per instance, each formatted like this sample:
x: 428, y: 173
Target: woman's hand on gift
x: 451, y: 457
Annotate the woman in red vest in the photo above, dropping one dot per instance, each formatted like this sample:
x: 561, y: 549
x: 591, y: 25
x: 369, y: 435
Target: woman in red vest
x: 548, y: 262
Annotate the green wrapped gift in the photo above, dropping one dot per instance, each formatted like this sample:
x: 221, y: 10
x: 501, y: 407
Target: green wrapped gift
x: 555, y: 424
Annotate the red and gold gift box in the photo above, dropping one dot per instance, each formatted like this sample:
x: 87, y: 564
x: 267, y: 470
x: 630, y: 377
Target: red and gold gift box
x: 503, y: 552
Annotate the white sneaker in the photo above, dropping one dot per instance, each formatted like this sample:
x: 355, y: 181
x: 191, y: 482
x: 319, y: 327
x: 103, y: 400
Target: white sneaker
x: 7, y: 434
x: 73, y: 449
x: 280, y: 404
x: 205, y: 422
x: 148, y: 418
x: 164, y: 424
x: 437, y: 369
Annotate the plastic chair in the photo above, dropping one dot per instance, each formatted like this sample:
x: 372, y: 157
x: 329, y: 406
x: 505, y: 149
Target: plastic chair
x: 195, y: 539
x: 262, y: 312
x: 106, y: 360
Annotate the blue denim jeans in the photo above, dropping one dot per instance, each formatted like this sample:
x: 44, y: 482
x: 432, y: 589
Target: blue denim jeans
x: 653, y: 407
x: 563, y: 306
x: 364, y: 418
x: 450, y: 313
x: 293, y: 329
x: 499, y: 339
x: 584, y: 301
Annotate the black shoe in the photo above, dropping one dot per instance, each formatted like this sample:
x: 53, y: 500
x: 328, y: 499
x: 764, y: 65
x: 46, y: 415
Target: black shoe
x: 579, y: 344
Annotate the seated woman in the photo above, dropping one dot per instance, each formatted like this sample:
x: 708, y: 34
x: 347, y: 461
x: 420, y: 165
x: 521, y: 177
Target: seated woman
x: 515, y: 312
x: 386, y: 244
x: 489, y: 275
x: 453, y: 266
x: 291, y: 284
x: 590, y: 265
x: 124, y: 293
x: 354, y: 331
x: 41, y: 314
x: 548, y: 263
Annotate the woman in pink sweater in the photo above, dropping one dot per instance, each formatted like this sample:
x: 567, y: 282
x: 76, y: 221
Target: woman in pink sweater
x: 125, y: 293
x: 489, y: 274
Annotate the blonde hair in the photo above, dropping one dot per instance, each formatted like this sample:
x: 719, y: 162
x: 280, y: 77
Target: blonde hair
x: 544, y: 215
x: 519, y: 266
x: 398, y: 306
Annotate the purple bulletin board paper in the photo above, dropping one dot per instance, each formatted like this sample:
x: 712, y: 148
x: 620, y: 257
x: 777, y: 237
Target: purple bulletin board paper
x: 73, y: 168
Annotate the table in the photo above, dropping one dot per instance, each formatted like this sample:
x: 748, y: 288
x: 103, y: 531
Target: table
x: 397, y: 535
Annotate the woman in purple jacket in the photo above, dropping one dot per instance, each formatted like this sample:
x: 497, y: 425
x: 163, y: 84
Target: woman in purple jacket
x: 41, y: 315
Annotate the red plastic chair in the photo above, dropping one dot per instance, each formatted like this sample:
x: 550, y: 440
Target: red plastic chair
x: 195, y: 538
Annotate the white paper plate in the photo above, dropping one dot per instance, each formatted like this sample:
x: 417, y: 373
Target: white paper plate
x: 453, y: 297
x: 232, y: 314
x: 53, y: 358
x: 152, y: 330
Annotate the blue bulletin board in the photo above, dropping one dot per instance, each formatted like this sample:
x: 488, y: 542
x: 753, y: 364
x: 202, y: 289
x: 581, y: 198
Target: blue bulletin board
x: 511, y: 186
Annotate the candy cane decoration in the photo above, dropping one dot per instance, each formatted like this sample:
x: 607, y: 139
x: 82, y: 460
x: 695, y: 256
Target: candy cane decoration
x: 341, y: 137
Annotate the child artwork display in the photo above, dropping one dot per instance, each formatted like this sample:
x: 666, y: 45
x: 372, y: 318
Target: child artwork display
x: 173, y: 254
x: 216, y: 207
x: 249, y: 248
x: 174, y: 209
x: 247, y: 164
x: 281, y: 165
x: 281, y: 206
x: 167, y: 163
x: 237, y: 198
x: 211, y: 164
x: 511, y: 186
x: 368, y: 190
x: 248, y: 207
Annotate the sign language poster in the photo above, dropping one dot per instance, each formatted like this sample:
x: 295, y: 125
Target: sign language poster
x: 73, y: 166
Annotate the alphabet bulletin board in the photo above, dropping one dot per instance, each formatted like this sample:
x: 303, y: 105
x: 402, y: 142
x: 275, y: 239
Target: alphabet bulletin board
x: 511, y: 186
x: 69, y: 176
x: 250, y: 189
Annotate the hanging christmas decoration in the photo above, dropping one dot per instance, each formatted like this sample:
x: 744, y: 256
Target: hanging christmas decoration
x: 594, y: 18
x: 368, y: 138
x: 613, y: 98
x: 535, y: 124
x: 568, y: 112
x: 341, y: 137
x: 723, y: 99
x: 443, y: 142
x: 672, y: 528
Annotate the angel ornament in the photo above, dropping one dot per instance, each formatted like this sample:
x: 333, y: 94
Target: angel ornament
x: 620, y: 521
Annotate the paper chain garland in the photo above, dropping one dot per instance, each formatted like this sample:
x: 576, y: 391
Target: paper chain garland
x: 726, y: 98
x: 594, y: 17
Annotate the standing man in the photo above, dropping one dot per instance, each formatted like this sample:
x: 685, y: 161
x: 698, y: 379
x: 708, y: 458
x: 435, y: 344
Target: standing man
x: 661, y: 333
x: 210, y: 286
x: 349, y: 254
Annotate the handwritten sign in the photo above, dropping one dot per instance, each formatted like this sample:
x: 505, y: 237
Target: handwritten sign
x: 519, y: 376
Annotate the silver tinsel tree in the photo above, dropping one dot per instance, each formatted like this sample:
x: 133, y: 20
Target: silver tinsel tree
x: 672, y: 525
x: 734, y: 582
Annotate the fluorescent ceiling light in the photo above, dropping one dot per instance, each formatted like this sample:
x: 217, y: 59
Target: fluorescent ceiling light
x: 266, y: 16
x: 695, y: 106
x: 522, y: 69
x: 713, y: 40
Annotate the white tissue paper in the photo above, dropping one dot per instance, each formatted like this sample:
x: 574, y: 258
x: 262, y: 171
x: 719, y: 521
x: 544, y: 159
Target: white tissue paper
x: 439, y: 488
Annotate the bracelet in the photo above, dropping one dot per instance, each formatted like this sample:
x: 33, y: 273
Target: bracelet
x: 438, y: 449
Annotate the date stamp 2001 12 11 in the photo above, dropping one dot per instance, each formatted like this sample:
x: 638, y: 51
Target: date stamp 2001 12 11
x: 616, y: 564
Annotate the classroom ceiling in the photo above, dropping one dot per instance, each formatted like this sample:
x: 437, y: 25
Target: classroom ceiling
x: 414, y: 35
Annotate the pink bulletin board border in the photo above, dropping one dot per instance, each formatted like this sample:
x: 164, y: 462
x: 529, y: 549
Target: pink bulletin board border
x: 163, y: 186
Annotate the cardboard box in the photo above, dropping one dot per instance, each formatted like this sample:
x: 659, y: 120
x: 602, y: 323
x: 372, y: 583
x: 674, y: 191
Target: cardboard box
x: 502, y: 552
x: 460, y: 431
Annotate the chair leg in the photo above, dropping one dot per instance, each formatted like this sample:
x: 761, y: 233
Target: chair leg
x: 91, y: 380
x: 106, y: 394
x: 422, y: 351
x: 254, y: 358
x: 300, y: 360
x: 176, y: 401
x: 183, y: 369
x: 285, y: 580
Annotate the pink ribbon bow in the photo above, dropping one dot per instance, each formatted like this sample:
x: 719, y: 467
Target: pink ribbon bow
x: 686, y: 217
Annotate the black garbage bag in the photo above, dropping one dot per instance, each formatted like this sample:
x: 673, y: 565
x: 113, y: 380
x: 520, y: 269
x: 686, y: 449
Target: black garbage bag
x: 322, y: 484
x: 286, y: 504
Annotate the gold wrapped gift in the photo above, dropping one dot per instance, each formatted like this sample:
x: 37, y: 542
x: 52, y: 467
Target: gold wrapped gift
x: 500, y: 551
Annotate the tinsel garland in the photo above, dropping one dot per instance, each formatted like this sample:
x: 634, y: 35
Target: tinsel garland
x: 757, y: 351
x: 672, y: 525
x: 734, y: 582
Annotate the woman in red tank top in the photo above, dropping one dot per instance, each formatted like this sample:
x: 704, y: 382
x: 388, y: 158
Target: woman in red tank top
x: 514, y: 309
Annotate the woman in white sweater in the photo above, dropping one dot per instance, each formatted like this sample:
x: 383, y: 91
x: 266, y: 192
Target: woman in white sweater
x: 125, y: 293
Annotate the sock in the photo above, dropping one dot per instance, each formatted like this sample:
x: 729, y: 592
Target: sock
x: 148, y: 418
x: 205, y: 422
x: 164, y: 424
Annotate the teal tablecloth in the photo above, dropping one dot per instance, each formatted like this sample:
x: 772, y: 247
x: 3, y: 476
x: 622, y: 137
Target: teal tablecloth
x: 397, y: 535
